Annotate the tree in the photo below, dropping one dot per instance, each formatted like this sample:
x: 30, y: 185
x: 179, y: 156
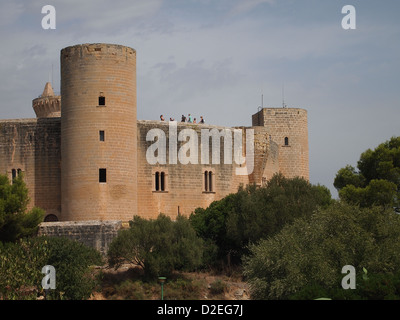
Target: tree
x: 159, y: 246
x: 72, y: 261
x: 348, y: 176
x: 256, y: 212
x: 15, y: 221
x: 309, y: 254
x: 21, y: 263
x: 377, y: 181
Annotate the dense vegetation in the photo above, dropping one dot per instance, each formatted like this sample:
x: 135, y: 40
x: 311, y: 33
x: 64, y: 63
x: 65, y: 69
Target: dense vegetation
x: 23, y: 255
x: 230, y: 224
x: 377, y: 180
x: 15, y: 221
x: 159, y: 246
x: 304, y: 260
x: 21, y: 264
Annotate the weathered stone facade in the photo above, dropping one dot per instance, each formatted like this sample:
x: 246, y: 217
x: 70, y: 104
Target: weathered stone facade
x: 91, y: 163
x: 95, y: 234
x: 288, y: 127
x: 32, y: 146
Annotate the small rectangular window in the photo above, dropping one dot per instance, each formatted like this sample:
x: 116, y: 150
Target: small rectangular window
x: 102, y: 175
x: 102, y: 101
x: 102, y: 135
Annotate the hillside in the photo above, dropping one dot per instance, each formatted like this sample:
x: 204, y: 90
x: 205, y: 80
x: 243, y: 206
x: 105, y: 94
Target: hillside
x: 126, y: 283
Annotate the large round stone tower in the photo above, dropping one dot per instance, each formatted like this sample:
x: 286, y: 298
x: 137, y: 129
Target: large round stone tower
x: 98, y: 132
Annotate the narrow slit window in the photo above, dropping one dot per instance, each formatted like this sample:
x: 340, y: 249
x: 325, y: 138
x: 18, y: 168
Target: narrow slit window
x: 157, y: 181
x: 102, y: 101
x: 102, y: 175
x: 13, y: 174
x: 208, y: 181
x: 102, y: 135
x: 162, y: 181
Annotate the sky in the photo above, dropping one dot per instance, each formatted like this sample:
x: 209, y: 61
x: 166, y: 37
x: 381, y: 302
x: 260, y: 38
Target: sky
x: 223, y: 59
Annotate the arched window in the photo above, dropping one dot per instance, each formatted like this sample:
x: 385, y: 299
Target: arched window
x: 15, y: 173
x: 286, y: 141
x: 50, y: 218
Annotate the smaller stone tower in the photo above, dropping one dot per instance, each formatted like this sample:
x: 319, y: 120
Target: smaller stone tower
x: 47, y: 105
x: 288, y: 127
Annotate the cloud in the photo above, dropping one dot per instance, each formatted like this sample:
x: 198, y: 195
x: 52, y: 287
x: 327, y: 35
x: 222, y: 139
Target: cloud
x: 10, y: 12
x: 245, y: 6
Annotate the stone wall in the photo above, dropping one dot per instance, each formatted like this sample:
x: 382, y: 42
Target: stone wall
x: 185, y: 183
x: 32, y: 146
x: 94, y: 234
x: 290, y: 124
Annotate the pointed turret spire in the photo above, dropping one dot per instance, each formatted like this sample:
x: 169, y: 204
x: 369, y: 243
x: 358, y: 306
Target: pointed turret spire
x: 48, y: 105
x: 48, y: 90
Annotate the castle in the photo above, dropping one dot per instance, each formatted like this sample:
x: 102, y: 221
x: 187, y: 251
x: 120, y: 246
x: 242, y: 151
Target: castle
x: 86, y: 156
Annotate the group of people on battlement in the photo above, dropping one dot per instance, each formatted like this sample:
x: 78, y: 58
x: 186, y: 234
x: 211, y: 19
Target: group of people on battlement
x: 189, y: 119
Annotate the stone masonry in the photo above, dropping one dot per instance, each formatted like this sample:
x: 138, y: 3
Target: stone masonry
x: 95, y: 234
x: 84, y: 158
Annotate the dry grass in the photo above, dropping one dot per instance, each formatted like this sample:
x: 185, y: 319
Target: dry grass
x: 127, y: 283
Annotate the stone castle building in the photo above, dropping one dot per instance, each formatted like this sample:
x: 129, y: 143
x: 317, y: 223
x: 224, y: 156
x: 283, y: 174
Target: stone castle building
x: 86, y: 156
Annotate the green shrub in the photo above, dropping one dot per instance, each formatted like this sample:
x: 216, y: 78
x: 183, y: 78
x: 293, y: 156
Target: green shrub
x: 15, y: 221
x: 183, y: 289
x: 309, y: 254
x: 253, y: 213
x: 22, y: 262
x: 218, y: 287
x: 72, y: 261
x: 158, y: 246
